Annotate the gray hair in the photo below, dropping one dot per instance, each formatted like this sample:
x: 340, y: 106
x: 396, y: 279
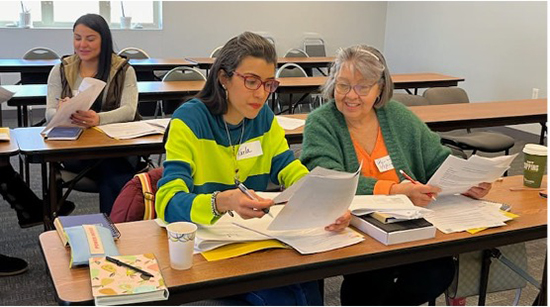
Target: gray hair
x: 370, y: 63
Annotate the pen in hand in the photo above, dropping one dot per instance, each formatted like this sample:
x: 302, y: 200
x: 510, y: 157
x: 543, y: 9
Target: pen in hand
x: 124, y: 264
x: 245, y: 190
x: 414, y: 182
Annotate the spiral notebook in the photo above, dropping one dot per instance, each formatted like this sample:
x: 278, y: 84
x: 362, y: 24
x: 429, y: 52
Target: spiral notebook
x: 101, y: 219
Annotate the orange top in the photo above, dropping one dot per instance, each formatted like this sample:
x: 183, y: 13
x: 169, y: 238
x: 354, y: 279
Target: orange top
x: 387, y: 178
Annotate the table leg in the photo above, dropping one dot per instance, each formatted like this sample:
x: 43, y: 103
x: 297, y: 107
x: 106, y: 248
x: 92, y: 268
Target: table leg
x: 484, y: 278
x: 542, y: 133
x: 45, y: 198
x: 19, y: 117
x: 26, y: 116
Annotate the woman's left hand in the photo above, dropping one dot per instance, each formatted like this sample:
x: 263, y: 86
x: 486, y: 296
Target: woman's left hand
x: 85, y: 118
x: 341, y: 223
x: 479, y: 191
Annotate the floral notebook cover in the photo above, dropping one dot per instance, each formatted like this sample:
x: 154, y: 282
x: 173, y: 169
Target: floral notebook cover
x: 113, y: 284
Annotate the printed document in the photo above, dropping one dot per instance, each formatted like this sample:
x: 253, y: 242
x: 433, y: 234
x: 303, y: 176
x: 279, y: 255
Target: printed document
x: 5, y: 95
x: 289, y: 123
x: 306, y: 241
x: 457, y: 175
x: 87, y: 93
x: 131, y: 130
x: 455, y: 213
x: 316, y: 200
x: 397, y: 206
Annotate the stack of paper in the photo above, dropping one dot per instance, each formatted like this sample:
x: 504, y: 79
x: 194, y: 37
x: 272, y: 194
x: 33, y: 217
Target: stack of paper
x: 131, y: 130
x: 396, y: 207
x: 5, y: 95
x: 305, y: 241
x: 457, y: 175
x: 455, y: 213
x: 289, y: 123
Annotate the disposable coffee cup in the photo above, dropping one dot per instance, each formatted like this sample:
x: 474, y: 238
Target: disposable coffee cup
x: 534, y: 164
x: 181, y: 243
x: 125, y: 22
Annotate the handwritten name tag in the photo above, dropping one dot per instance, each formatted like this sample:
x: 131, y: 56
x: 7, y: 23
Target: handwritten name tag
x: 384, y: 164
x: 249, y: 150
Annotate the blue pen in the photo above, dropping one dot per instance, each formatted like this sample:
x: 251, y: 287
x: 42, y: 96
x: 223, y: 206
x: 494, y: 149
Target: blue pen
x: 245, y: 190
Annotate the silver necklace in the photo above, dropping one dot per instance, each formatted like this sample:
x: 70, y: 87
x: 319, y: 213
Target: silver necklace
x: 233, y: 146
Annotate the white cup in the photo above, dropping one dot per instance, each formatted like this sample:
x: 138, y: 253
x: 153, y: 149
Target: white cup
x: 181, y: 243
x: 125, y: 22
x: 24, y: 19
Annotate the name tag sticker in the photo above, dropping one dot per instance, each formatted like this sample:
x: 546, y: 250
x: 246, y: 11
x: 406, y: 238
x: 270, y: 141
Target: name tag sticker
x: 384, y: 164
x: 249, y: 150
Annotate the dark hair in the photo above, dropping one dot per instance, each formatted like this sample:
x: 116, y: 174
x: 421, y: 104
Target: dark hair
x: 230, y: 57
x: 370, y: 63
x: 98, y: 24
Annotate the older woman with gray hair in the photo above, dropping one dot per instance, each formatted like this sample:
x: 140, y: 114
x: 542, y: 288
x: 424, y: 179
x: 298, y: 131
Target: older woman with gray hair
x: 362, y: 124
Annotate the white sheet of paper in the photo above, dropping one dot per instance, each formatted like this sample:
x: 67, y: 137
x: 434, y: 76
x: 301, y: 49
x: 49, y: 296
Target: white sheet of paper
x: 160, y: 122
x: 130, y: 130
x: 288, y: 123
x: 457, y: 175
x: 5, y: 95
x: 88, y: 91
x: 307, y: 241
x: 455, y: 213
x: 322, y: 197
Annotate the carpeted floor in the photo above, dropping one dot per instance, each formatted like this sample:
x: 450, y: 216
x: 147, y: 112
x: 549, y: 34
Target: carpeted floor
x: 35, y: 288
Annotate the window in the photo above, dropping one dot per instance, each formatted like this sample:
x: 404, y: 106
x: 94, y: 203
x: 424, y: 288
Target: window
x: 62, y: 14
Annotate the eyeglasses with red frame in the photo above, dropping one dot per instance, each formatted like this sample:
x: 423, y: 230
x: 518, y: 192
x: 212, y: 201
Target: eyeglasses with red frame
x: 254, y: 83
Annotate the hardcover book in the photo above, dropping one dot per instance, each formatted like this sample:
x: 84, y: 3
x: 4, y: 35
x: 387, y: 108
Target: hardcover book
x: 114, y: 284
x: 62, y: 222
x: 64, y: 133
x: 394, y: 233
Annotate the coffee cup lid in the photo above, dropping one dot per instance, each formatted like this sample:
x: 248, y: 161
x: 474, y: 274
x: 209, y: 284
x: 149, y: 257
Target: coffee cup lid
x: 535, y: 149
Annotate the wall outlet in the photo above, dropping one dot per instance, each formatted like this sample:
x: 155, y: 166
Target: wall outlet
x: 535, y: 94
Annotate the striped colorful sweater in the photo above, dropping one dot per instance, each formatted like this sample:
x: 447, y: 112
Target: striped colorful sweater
x: 199, y: 161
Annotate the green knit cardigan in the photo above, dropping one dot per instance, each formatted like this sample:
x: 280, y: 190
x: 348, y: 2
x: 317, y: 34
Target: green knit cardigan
x: 412, y: 146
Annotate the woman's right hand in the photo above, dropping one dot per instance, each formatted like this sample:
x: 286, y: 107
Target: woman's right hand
x: 419, y: 194
x: 237, y: 201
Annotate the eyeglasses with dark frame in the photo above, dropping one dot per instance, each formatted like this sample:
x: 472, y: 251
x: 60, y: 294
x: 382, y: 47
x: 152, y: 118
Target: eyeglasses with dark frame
x: 254, y: 83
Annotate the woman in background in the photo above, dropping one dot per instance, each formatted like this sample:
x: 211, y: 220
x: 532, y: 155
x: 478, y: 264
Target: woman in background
x: 94, y: 57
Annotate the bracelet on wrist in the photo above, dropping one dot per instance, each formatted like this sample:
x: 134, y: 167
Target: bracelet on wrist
x: 215, y: 211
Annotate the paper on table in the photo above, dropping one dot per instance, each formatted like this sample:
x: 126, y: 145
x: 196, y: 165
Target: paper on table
x: 457, y: 175
x: 159, y: 122
x: 307, y: 241
x: 288, y: 123
x: 322, y: 197
x: 5, y: 95
x: 87, y: 93
x: 130, y: 130
x: 455, y: 213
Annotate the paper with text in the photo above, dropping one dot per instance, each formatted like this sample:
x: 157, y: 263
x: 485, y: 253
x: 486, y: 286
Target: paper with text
x: 455, y: 213
x: 457, y: 175
x: 130, y: 130
x: 87, y: 93
x: 321, y: 197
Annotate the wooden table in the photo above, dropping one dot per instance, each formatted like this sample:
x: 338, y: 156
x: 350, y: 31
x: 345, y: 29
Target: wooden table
x: 278, y: 267
x: 92, y: 144
x: 466, y: 115
x: 8, y: 149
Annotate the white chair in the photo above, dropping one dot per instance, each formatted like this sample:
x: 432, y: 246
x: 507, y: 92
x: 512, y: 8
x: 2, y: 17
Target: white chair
x: 134, y: 53
x: 41, y: 53
x: 290, y: 70
x: 180, y: 73
x: 216, y: 52
x: 296, y: 53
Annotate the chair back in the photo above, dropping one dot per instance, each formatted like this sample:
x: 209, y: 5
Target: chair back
x: 446, y: 95
x: 216, y: 52
x: 315, y: 46
x: 134, y: 53
x: 183, y: 73
x: 296, y: 53
x: 41, y: 53
x: 410, y: 100
x: 290, y: 70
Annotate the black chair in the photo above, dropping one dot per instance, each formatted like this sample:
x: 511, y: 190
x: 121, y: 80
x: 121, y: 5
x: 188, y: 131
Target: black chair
x: 475, y: 141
